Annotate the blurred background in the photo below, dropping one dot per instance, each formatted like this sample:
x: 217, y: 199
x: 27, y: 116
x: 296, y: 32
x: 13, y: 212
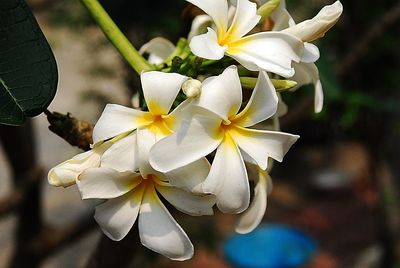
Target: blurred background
x: 339, y: 184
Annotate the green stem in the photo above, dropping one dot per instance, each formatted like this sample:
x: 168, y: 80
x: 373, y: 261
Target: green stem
x: 116, y: 37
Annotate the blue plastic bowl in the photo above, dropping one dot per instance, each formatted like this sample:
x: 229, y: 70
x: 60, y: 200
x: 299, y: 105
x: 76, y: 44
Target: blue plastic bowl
x: 270, y: 246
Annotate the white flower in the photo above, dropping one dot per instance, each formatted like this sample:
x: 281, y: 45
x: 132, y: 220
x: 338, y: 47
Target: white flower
x: 160, y: 90
x: 217, y: 124
x: 306, y: 71
x: 270, y: 51
x: 130, y: 196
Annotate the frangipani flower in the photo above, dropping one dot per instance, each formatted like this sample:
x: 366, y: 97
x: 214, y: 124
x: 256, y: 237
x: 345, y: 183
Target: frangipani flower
x: 218, y: 124
x: 306, y: 71
x: 252, y: 217
x: 160, y: 90
x: 269, y: 51
x: 130, y: 196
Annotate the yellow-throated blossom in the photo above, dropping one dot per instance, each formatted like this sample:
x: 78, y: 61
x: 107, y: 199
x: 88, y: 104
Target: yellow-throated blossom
x: 130, y: 196
x: 217, y: 124
x: 269, y: 51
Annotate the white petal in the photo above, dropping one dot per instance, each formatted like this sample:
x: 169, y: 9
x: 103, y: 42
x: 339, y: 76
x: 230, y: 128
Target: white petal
x: 310, y: 54
x: 115, y: 120
x: 312, y: 29
x: 206, y: 46
x: 269, y: 51
x: 199, y: 25
x: 228, y: 179
x: 159, y: 232
x: 244, y: 21
x: 195, y: 139
x: 106, y: 183
x: 158, y: 49
x: 174, y: 119
x: 160, y: 90
x: 222, y: 94
x: 117, y: 216
x: 307, y: 73
x: 319, y: 97
x: 281, y: 18
x: 66, y: 173
x: 191, y: 176
x: 252, y: 217
x: 261, y: 144
x: 217, y: 10
x: 187, y: 202
x: 145, y: 140
x: 121, y: 155
x: 262, y: 105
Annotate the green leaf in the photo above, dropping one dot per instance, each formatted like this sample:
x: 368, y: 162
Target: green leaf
x: 28, y: 70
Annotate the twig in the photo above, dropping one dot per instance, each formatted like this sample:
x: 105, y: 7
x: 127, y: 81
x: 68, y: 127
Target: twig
x: 76, y: 132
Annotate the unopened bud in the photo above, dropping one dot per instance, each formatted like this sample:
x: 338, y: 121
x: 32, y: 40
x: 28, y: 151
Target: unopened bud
x: 192, y: 88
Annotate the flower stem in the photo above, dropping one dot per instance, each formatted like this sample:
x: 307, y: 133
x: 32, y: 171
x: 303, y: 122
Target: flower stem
x: 116, y: 37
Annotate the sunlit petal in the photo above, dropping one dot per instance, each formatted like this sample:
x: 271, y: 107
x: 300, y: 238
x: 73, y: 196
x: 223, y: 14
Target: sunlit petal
x: 159, y: 232
x: 195, y: 139
x: 145, y: 140
x: 117, y: 216
x: 187, y: 202
x: 262, y: 105
x: 158, y: 49
x: 115, y: 120
x: 206, y: 46
x: 261, y: 144
x: 269, y: 51
x: 222, y: 94
x: 244, y: 21
x: 217, y: 10
x: 174, y: 119
x: 106, y: 183
x: 121, y: 155
x: 160, y: 90
x: 228, y: 179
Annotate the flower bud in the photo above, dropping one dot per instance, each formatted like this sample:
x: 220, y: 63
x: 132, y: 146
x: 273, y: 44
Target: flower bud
x: 192, y: 88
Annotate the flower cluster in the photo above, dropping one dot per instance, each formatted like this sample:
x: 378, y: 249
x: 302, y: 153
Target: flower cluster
x: 205, y: 151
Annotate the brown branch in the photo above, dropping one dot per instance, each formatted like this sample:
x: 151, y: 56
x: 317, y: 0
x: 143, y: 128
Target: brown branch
x: 351, y: 59
x: 76, y: 132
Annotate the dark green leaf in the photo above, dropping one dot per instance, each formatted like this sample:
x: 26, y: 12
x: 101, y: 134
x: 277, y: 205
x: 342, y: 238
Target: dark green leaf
x: 28, y: 70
